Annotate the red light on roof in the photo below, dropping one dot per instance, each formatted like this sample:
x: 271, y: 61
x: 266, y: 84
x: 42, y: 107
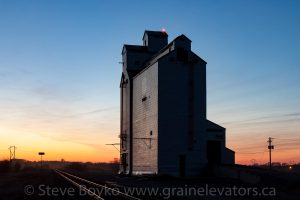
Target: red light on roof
x: 163, y: 30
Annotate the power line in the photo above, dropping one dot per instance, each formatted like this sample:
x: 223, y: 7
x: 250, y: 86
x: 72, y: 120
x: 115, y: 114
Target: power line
x: 262, y: 154
x: 251, y: 147
x: 295, y: 139
x: 287, y: 148
x: 250, y: 152
x: 296, y: 144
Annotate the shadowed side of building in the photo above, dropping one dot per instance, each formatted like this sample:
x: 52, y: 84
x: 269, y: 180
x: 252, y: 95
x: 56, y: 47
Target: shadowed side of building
x: 164, y: 129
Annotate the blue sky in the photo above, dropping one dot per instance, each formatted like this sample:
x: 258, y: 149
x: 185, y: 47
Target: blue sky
x: 59, y: 71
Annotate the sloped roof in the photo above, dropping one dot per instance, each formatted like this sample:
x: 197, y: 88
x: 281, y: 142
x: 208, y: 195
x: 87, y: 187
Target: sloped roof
x: 212, y: 125
x: 182, y: 36
x: 138, y: 48
x: 170, y: 44
x: 156, y: 33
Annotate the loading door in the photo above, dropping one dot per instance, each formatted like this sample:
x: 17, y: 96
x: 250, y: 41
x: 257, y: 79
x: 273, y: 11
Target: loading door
x: 182, y: 165
x: 213, y: 152
x: 124, y: 161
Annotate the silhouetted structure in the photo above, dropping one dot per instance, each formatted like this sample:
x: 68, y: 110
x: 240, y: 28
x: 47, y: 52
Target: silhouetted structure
x: 12, y: 152
x: 164, y: 129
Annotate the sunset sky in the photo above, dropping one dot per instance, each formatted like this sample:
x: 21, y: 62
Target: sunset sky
x: 60, y: 72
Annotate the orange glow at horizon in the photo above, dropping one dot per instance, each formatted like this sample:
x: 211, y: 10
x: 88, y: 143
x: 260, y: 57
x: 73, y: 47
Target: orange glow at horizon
x: 80, y: 140
x: 263, y: 158
x: 61, y: 67
x: 70, y: 149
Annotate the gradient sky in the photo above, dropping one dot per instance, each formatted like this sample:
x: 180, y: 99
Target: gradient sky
x: 59, y: 72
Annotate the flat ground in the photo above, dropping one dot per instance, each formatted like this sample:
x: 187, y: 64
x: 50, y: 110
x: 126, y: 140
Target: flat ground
x: 46, y: 184
x: 269, y: 187
x: 32, y: 185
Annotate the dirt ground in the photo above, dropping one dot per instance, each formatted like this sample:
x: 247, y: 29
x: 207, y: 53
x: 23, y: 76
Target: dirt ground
x: 46, y: 184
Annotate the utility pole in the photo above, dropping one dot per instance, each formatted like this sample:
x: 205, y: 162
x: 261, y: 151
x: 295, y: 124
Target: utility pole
x: 270, y: 147
x: 12, y: 152
x: 41, y: 154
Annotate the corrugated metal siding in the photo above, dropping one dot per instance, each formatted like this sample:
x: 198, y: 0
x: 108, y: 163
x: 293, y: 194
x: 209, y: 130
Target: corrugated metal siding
x: 174, y: 112
x: 145, y: 110
x: 125, y: 120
